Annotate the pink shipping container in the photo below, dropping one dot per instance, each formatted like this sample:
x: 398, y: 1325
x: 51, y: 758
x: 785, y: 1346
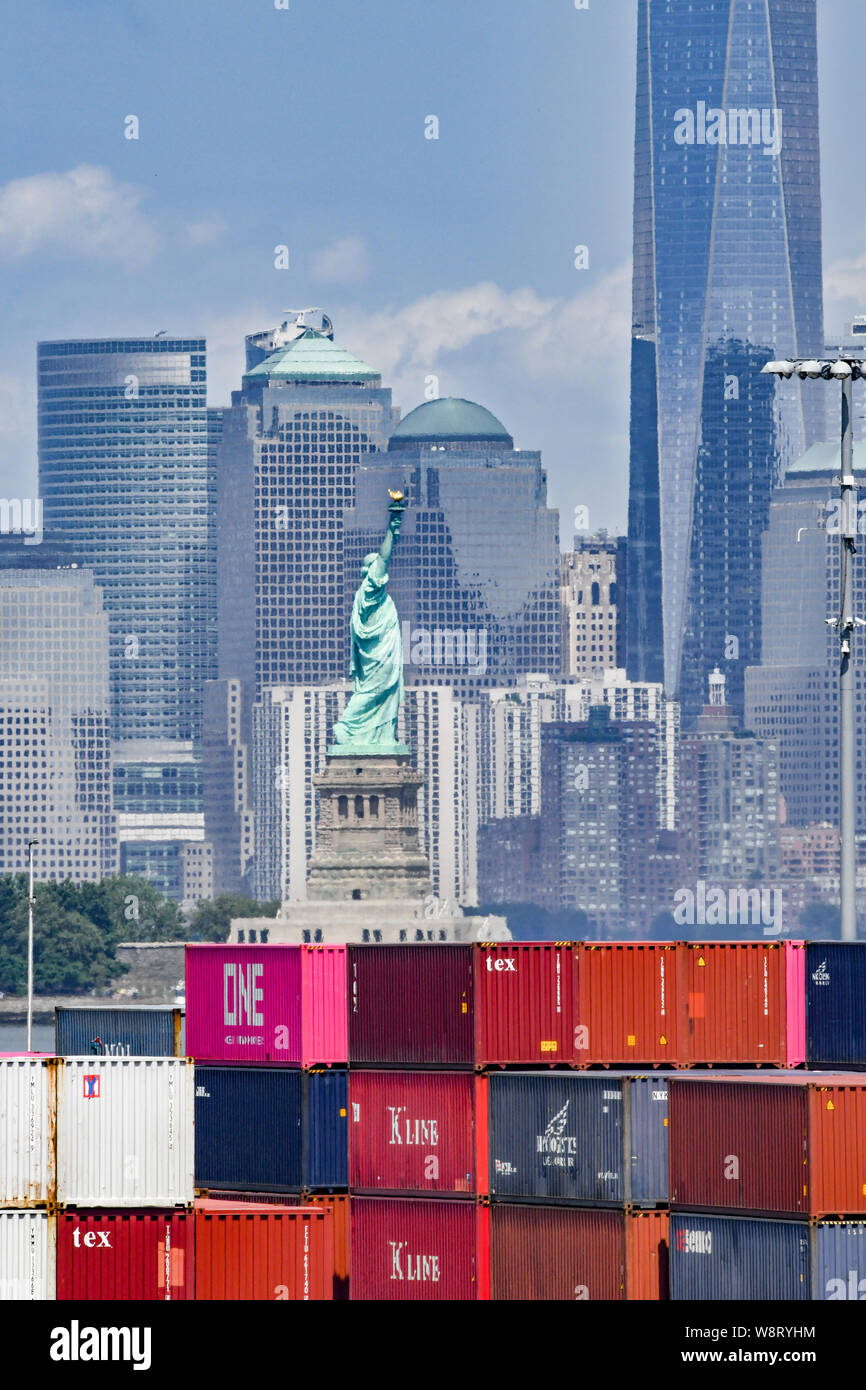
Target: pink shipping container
x: 278, y: 1005
x: 419, y: 1251
x: 420, y: 1131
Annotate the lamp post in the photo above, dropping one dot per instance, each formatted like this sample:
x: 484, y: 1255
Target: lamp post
x: 846, y: 370
x: 31, y: 845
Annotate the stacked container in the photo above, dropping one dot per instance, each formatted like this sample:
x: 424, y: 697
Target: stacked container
x: 267, y: 1028
x: 28, y: 1177
x: 139, y: 1032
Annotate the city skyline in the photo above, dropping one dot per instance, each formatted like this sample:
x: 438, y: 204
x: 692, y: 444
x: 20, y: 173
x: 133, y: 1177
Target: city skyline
x: 161, y: 235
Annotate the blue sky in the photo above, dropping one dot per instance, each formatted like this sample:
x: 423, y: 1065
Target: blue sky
x: 306, y: 127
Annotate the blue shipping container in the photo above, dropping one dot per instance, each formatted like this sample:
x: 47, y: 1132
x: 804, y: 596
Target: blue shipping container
x: 839, y: 1261
x: 836, y: 1004
x: 567, y: 1137
x: 716, y: 1258
x: 270, y: 1129
x: 141, y: 1032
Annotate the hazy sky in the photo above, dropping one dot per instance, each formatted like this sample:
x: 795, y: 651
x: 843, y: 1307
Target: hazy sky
x: 305, y: 126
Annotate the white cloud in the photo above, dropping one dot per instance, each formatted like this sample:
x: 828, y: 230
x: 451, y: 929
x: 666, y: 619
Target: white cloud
x: 844, y: 294
x: 83, y: 212
x: 344, y: 262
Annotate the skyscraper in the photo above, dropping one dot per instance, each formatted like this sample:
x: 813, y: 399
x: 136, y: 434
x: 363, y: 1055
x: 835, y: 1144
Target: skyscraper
x: 727, y: 271
x: 126, y: 459
x: 55, y: 754
x: 477, y: 584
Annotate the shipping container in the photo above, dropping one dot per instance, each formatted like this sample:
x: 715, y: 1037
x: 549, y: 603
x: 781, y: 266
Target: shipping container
x: 139, y: 1032
x: 741, y: 1002
x: 836, y: 1003
x: 719, y: 1258
x: 647, y: 1256
x: 274, y: 1128
x: 264, y: 1253
x: 567, y: 1137
x: 280, y: 1005
x: 324, y: 1030
x: 626, y: 1003
x: 107, y: 1256
x: 411, y: 1006
x: 787, y: 1144
x: 416, y: 1131
x: 405, y: 1249
x: 28, y: 1110
x: 546, y: 1253
x: 125, y: 1132
x: 338, y: 1203
x: 524, y: 1003
x: 27, y: 1255
x: 838, y: 1251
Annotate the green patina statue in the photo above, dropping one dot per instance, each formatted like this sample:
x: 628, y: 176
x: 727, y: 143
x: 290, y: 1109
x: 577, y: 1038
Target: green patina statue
x: 369, y: 721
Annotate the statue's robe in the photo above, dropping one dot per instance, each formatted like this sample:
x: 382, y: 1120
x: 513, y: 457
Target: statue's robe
x: 370, y: 717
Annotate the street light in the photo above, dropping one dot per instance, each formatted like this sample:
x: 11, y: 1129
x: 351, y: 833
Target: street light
x: 845, y: 370
x: 31, y: 844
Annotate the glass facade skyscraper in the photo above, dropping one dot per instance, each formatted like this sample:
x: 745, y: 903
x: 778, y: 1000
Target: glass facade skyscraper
x: 127, y: 452
x: 727, y: 273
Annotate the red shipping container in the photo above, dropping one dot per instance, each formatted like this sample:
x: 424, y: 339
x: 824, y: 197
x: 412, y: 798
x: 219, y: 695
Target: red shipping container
x: 420, y: 1132
x: 404, y: 1249
x: 263, y: 1253
x: 271, y: 1004
x: 742, y: 1002
x: 124, y: 1255
x: 336, y: 1203
x: 785, y: 1145
x: 560, y: 1253
x: 626, y: 1003
x: 524, y: 1003
x: 411, y: 1006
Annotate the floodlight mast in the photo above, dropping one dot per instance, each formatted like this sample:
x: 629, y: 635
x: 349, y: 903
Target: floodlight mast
x: 846, y: 370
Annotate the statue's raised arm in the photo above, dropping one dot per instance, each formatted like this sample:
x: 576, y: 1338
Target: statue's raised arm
x: 369, y: 721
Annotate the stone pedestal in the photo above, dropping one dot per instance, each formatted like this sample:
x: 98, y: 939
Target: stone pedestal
x: 368, y: 880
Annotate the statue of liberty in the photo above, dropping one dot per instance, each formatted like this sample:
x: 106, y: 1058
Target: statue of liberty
x: 369, y: 721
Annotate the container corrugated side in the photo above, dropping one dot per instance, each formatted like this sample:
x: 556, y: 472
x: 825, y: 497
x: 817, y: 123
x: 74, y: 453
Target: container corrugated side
x: 836, y: 1003
x: 338, y: 1203
x: 719, y: 1258
x: 647, y: 1256
x: 324, y: 1020
x: 28, y: 1108
x: 109, y: 1256
x: 556, y: 1253
x: 837, y: 1149
x: 325, y: 1126
x: 248, y: 1128
x: 838, y: 1250
x: 27, y: 1256
x: 406, y: 1249
x: 524, y: 1003
x: 243, y: 1004
x: 738, y: 1145
x: 411, y: 1006
x: 626, y: 1004
x: 647, y: 1139
x: 264, y: 1253
x: 418, y: 1132
x: 140, y: 1032
x: 734, y: 1001
x: 125, y: 1132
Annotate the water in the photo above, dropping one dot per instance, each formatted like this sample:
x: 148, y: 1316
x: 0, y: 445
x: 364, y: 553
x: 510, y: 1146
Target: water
x: 13, y: 1037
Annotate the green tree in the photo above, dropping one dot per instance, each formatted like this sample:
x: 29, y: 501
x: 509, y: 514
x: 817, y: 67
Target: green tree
x: 211, y: 920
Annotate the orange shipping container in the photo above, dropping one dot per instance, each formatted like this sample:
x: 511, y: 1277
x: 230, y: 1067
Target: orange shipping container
x: 646, y: 1259
x: 741, y: 1002
x: 263, y: 1253
x: 626, y: 1009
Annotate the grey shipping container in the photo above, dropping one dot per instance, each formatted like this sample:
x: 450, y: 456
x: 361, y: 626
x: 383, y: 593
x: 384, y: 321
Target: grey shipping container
x: 140, y: 1032
x: 836, y: 1004
x: 838, y: 1261
x: 580, y: 1138
x: 276, y: 1129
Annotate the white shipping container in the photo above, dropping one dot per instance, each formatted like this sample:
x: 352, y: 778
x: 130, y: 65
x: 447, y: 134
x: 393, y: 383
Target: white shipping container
x: 27, y: 1255
x: 28, y: 1109
x: 125, y: 1132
